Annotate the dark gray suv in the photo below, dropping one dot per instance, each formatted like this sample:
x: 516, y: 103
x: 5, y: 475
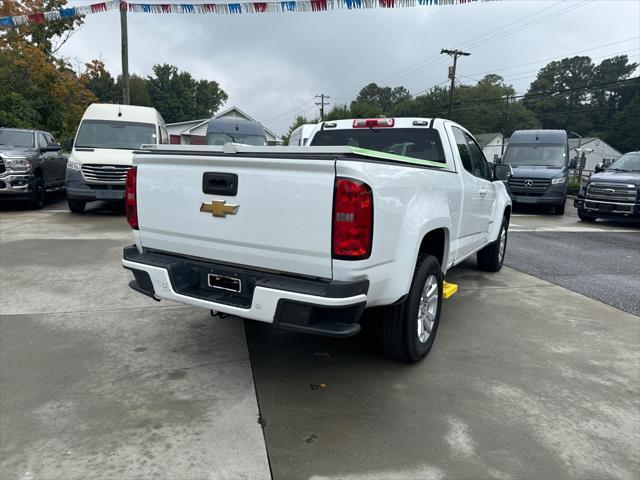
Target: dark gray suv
x: 31, y: 164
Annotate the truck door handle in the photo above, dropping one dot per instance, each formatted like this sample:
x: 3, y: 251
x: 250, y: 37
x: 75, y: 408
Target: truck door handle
x: 220, y: 183
x: 483, y: 192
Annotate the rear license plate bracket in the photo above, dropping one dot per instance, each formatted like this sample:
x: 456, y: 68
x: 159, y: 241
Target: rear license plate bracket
x: 223, y: 282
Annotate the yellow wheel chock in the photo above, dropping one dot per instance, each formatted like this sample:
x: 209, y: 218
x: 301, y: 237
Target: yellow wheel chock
x: 448, y: 289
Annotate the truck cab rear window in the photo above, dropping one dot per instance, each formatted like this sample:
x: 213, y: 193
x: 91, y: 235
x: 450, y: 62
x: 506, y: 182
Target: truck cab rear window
x: 422, y: 143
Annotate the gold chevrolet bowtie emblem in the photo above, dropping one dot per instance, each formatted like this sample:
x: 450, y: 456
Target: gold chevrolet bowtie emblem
x: 219, y: 208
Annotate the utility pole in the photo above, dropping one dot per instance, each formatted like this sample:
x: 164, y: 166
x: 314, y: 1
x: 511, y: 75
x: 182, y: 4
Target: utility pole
x: 504, y: 128
x: 452, y: 72
x: 125, y: 53
x: 322, y: 103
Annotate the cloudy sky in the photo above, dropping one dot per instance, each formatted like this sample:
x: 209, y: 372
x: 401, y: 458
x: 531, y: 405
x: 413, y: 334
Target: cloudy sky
x: 272, y: 65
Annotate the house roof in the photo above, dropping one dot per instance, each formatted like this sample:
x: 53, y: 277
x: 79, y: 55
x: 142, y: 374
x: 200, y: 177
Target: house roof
x: 193, y: 124
x: 485, y: 138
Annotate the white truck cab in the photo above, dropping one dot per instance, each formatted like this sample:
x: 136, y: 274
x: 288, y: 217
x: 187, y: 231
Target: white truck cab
x: 370, y: 215
x: 103, y: 150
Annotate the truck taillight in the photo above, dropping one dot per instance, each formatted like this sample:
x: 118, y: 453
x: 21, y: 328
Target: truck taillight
x: 130, y: 200
x: 352, y: 219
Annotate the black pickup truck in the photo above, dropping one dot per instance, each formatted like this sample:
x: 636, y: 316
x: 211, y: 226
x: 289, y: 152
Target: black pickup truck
x: 612, y: 193
x: 31, y: 164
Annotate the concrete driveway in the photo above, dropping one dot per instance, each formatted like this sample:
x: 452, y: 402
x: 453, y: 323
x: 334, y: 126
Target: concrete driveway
x: 526, y: 380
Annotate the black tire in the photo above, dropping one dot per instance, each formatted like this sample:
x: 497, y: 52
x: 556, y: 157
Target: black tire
x: 585, y: 217
x: 36, y: 201
x: 559, y: 209
x: 76, y: 206
x: 398, y: 324
x: 491, y: 258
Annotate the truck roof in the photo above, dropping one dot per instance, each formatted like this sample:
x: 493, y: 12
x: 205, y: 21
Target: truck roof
x: 539, y: 136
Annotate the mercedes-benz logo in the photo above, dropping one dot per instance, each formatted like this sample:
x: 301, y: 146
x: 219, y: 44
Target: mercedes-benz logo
x: 528, y: 183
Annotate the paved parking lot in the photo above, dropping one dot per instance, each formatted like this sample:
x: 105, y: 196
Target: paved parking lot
x: 527, y: 379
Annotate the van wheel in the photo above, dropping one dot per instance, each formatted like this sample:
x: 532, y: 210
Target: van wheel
x: 407, y: 330
x: 37, y: 194
x: 76, y: 206
x: 491, y: 257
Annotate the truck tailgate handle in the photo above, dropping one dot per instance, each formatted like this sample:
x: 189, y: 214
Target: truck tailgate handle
x: 220, y: 183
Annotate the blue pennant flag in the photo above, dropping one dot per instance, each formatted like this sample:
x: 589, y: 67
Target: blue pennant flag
x: 235, y: 8
x: 67, y: 12
x: 6, y: 22
x: 187, y: 8
x: 146, y: 8
x: 288, y: 6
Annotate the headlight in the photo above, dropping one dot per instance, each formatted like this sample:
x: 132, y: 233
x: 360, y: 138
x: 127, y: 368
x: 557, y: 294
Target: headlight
x: 557, y: 181
x: 71, y: 165
x: 21, y: 164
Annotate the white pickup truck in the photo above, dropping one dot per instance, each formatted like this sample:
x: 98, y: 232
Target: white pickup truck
x: 306, y: 238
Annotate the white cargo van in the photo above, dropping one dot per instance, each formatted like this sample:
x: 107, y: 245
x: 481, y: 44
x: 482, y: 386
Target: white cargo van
x: 300, y: 135
x: 102, y: 151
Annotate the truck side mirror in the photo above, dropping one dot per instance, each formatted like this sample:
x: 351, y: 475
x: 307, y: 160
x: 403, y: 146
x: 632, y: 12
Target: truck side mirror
x: 68, y: 144
x: 573, y: 163
x: 599, y: 167
x: 502, y: 171
x: 51, y: 147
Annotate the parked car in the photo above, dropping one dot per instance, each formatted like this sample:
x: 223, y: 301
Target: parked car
x: 540, y: 162
x: 102, y: 152
x: 31, y: 164
x: 613, y: 193
x: 235, y: 130
x: 307, y: 238
x: 300, y: 136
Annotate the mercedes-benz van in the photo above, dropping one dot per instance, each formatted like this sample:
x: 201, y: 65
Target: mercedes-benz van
x: 540, y: 163
x: 235, y: 130
x: 102, y: 152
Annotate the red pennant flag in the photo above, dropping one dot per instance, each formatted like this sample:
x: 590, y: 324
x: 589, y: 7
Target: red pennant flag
x: 387, y: 3
x: 318, y: 5
x: 260, y: 7
x: 99, y: 7
x: 36, y: 18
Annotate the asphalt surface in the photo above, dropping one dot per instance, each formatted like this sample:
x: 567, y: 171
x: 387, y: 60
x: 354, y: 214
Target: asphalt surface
x: 526, y: 379
x: 600, y: 260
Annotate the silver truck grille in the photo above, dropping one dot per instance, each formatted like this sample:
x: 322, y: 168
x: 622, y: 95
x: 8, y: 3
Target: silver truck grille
x: 536, y: 186
x: 2, y: 167
x: 105, y: 173
x: 612, y: 192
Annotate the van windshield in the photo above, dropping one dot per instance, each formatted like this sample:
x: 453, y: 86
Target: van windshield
x: 117, y: 135
x: 535, y: 156
x: 222, y: 138
x: 421, y: 143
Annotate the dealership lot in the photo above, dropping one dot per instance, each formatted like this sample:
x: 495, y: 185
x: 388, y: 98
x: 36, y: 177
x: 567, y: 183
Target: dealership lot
x: 527, y: 379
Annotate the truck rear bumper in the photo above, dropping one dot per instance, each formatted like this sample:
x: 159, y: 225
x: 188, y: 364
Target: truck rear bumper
x: 330, y: 308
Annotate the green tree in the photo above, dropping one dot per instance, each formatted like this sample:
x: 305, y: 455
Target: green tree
x: 97, y: 79
x: 374, y: 100
x: 48, y: 36
x: 178, y: 97
x: 338, y: 112
x: 138, y: 91
x: 624, y: 130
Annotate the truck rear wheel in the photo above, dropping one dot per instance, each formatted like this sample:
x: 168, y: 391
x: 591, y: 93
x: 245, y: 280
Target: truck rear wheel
x: 76, y: 206
x: 408, y: 330
x: 491, y: 257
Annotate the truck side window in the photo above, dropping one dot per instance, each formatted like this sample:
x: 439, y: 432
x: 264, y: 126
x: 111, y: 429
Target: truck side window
x: 463, y: 149
x: 478, y: 162
x: 42, y: 142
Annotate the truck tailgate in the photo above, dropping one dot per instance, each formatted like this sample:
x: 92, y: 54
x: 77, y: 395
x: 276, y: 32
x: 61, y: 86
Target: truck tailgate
x: 282, y: 223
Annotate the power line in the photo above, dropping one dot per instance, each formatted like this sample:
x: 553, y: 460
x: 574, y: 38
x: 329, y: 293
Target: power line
x: 501, y: 69
x: 567, y: 112
x: 452, y: 71
x: 436, y: 56
x: 290, y: 113
x: 322, y: 103
x: 416, y: 69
